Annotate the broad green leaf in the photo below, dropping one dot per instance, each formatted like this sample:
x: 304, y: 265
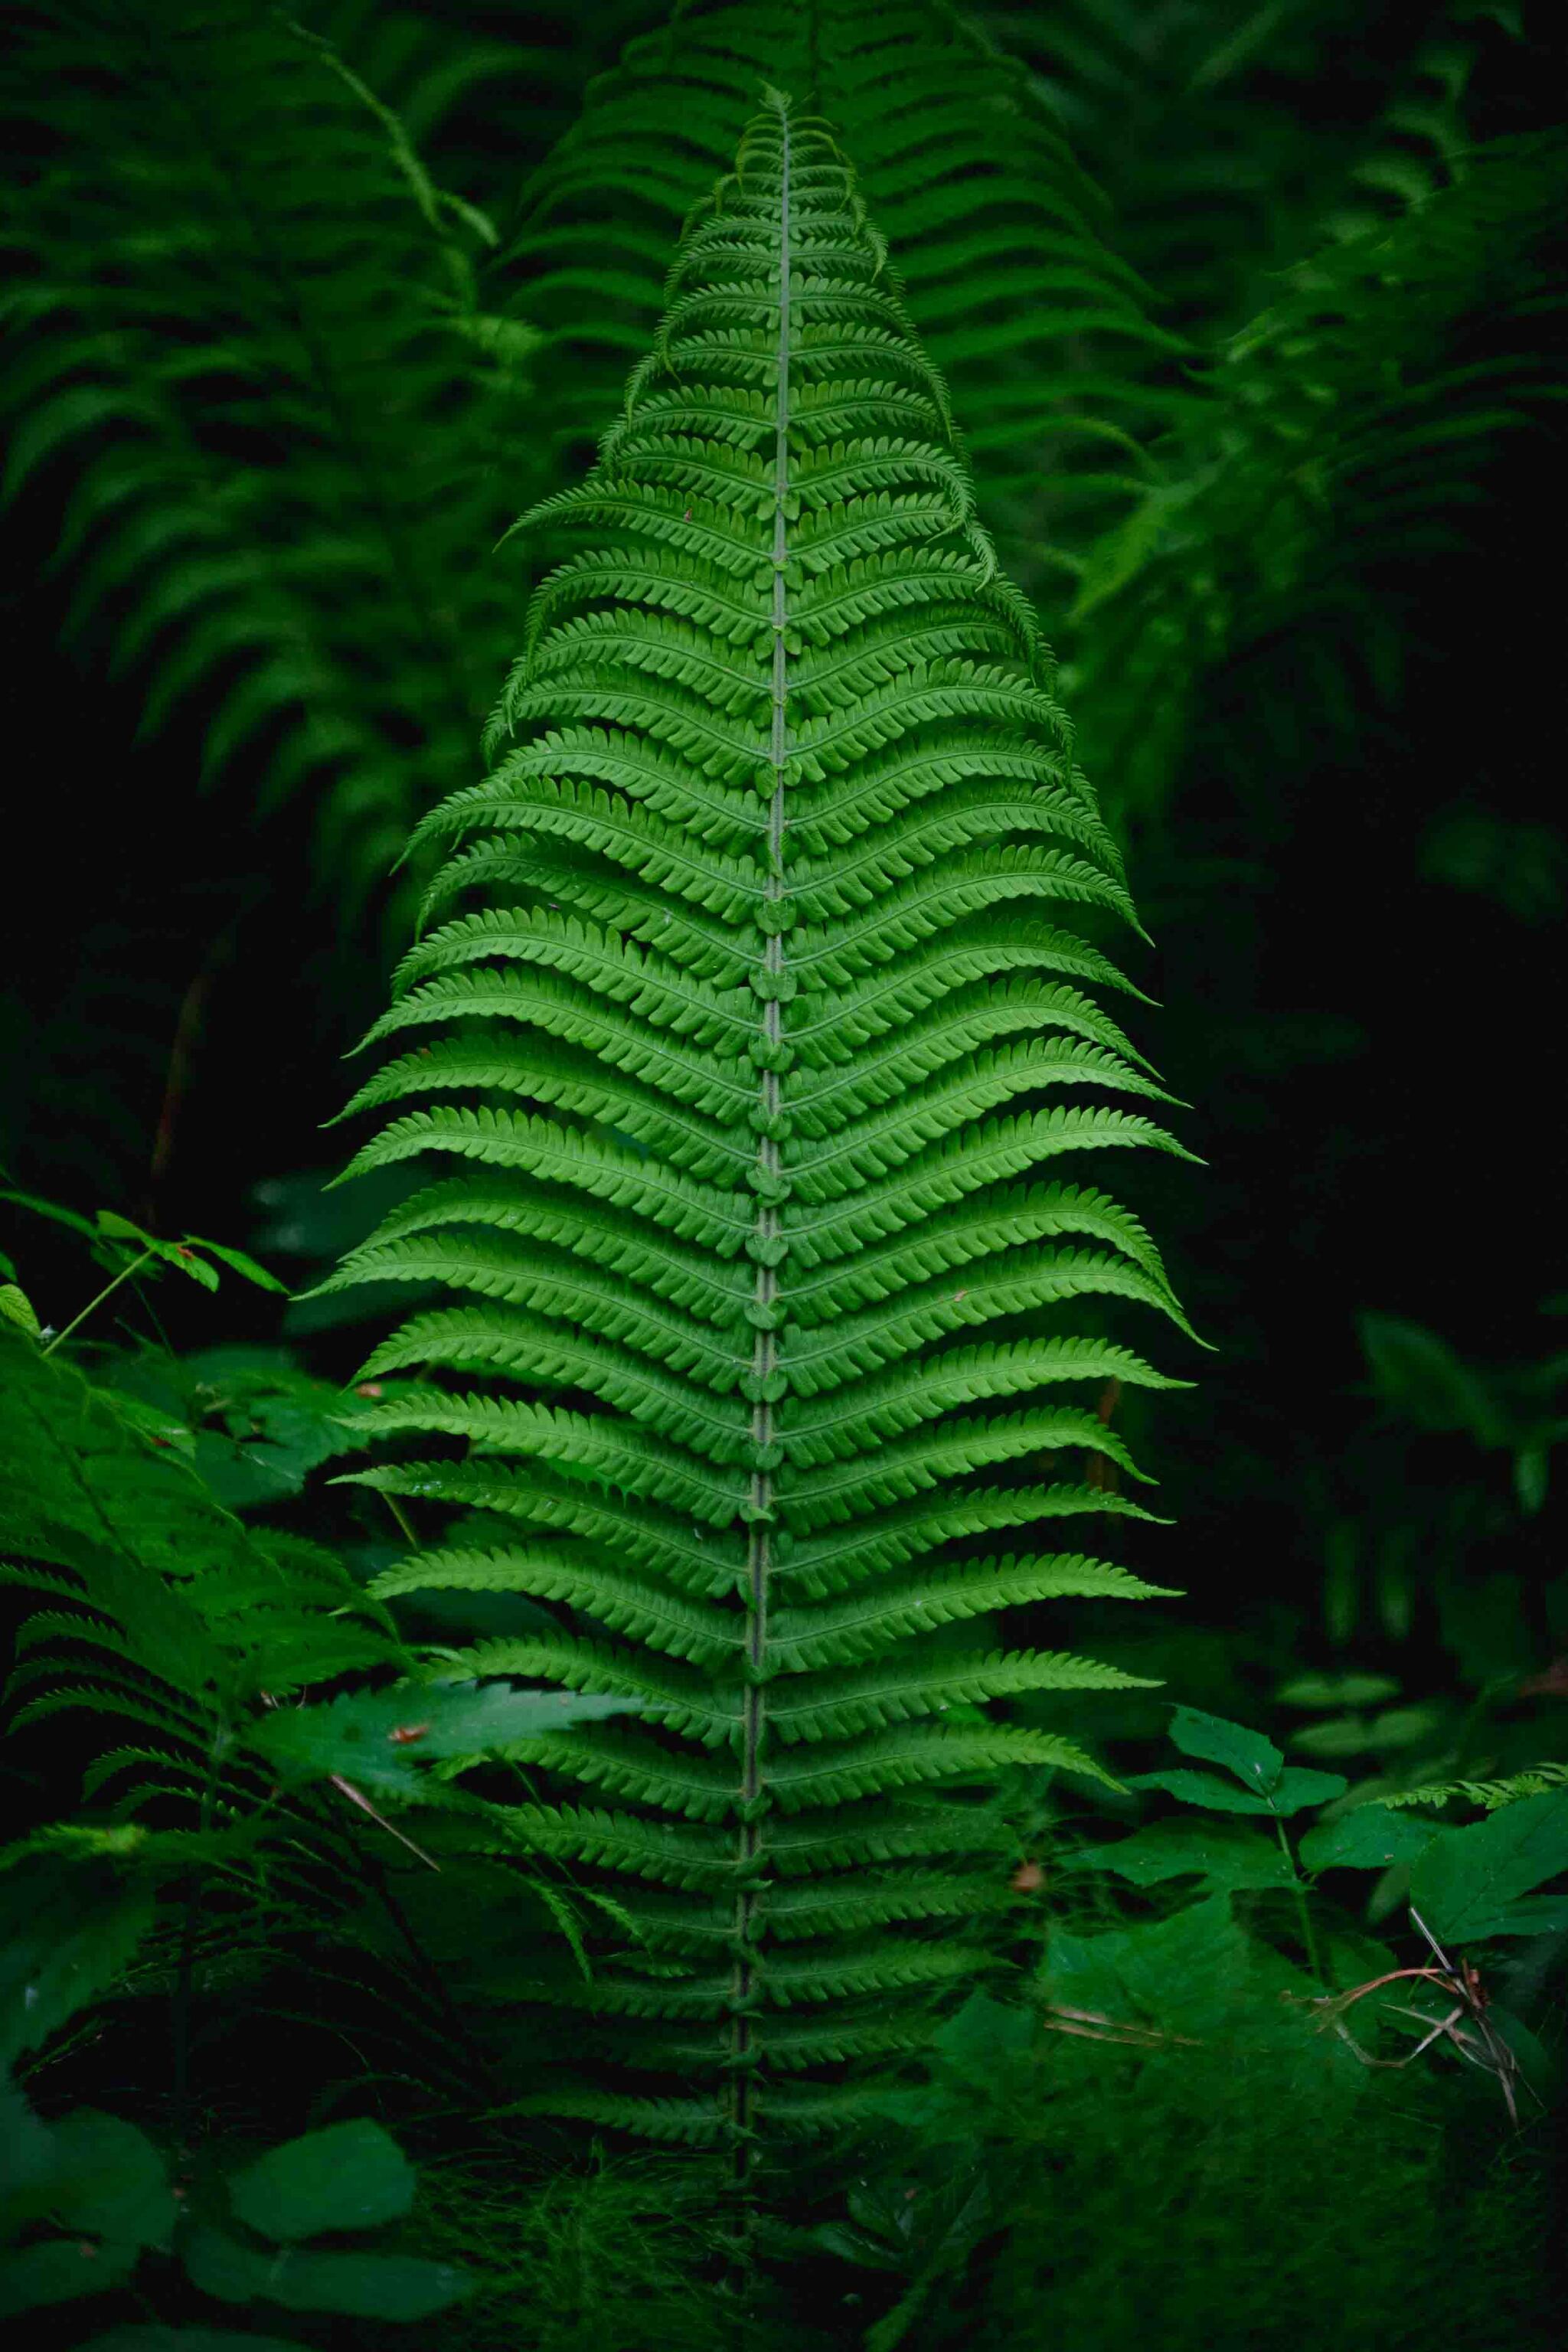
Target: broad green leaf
x: 1255, y: 1761
x: 240, y: 1263
x: 1467, y: 1883
x: 61, y: 2270
x: 352, y: 2176
x: 65, y: 1933
x: 1369, y: 1837
x: 362, y: 2287
x: 1205, y: 1789
x: 1336, y: 1735
x: 1297, y: 1787
x: 1337, y: 1690
x: 178, y: 1255
x: 189, y: 1262
x: 121, y: 1229
x: 110, y: 2180
x: 243, y: 1477
x: 1186, y: 1974
x: 1532, y: 1914
x: 1226, y: 1854
x: 378, y: 1738
x: 27, y: 2156
x: 1419, y: 1376
x: 1531, y: 1469
x: 51, y: 1209
x: 17, y: 1307
x: 984, y: 2039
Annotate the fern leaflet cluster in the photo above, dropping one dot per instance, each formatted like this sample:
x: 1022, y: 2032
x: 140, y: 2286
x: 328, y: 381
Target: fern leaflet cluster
x: 1339, y: 440
x: 248, y: 340
x: 1047, y: 339
x: 751, y: 1057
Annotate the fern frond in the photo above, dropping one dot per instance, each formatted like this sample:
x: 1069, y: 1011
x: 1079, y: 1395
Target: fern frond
x: 1489, y: 1795
x: 759, y: 1275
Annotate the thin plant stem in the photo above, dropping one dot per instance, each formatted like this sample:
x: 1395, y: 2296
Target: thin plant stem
x: 124, y: 1275
x: 401, y: 1515
x: 1298, y: 1887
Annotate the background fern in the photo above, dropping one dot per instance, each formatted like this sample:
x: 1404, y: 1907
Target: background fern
x: 218, y: 556
x: 1058, y: 367
x: 764, y: 1018
x: 1347, y: 422
x: 269, y: 386
x: 230, y: 1707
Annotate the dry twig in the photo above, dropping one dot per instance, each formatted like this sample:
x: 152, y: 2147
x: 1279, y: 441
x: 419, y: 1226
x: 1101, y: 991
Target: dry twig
x: 1466, y: 2025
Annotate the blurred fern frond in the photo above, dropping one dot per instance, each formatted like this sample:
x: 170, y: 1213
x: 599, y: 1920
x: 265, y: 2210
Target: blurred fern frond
x: 1345, y: 434
x: 251, y: 372
x: 176, y: 1617
x: 1234, y: 137
x: 1489, y: 1795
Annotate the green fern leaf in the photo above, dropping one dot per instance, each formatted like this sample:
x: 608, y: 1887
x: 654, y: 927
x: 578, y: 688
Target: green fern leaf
x: 759, y: 1276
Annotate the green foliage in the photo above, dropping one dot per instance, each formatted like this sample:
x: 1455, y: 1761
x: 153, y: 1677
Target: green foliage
x: 1280, y: 2087
x: 1004, y: 249
x: 1474, y: 1883
x: 1427, y: 1525
x: 1288, y: 2196
x: 779, y: 773
x: 156, y: 2339
x: 320, y: 585
x: 246, y: 1722
x: 1488, y: 1794
x: 179, y: 1615
x: 1337, y: 417
x: 248, y: 328
x: 1341, y: 438
x: 1419, y: 1380
x: 1208, y: 130
x: 104, y: 2183
x: 1470, y: 1885
x: 609, y: 2252
x: 70, y: 1936
x: 348, y: 2177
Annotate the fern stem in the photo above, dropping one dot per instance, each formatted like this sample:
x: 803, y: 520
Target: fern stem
x: 765, y: 1346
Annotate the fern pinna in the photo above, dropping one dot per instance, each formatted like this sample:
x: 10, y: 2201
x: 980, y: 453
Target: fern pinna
x: 766, y: 1012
